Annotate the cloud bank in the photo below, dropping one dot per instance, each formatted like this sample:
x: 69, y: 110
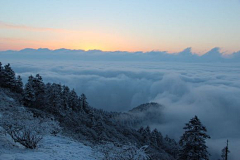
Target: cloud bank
x: 214, y: 55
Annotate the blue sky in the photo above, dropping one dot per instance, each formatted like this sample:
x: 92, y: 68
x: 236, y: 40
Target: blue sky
x: 131, y: 25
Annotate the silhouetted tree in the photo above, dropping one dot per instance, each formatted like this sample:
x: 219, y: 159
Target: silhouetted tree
x: 39, y: 90
x: 154, y: 137
x: 9, y: 78
x: 73, y: 100
x: 53, y: 98
x: 29, y: 94
x: 65, y: 97
x: 1, y: 75
x: 225, y: 152
x: 192, y: 142
x: 19, y: 85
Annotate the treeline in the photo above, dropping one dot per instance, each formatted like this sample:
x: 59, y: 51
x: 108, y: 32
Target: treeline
x: 52, y: 97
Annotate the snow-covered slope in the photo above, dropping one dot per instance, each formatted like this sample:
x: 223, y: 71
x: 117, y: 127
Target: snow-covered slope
x: 50, y: 148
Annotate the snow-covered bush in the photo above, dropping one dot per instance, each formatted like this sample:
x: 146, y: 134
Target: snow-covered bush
x: 25, y: 136
x: 113, y: 151
x: 26, y: 129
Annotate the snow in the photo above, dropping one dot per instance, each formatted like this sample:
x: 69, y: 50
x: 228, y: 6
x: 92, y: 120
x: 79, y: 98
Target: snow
x: 51, y: 147
x: 10, y: 99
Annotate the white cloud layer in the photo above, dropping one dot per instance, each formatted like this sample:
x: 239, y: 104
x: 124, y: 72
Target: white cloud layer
x: 209, y: 90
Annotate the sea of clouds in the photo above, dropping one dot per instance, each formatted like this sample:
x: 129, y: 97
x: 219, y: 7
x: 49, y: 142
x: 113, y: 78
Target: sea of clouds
x: 209, y: 90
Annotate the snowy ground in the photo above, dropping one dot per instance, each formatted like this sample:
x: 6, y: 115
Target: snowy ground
x: 50, y: 148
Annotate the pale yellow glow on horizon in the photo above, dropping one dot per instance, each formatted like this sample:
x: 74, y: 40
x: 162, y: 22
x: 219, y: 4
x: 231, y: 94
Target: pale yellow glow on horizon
x: 17, y: 37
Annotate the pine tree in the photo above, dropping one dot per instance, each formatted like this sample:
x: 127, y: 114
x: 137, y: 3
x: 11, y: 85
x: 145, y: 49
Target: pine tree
x: 19, y: 85
x: 140, y: 130
x: 39, y: 90
x: 171, y: 146
x: 84, y: 103
x: 54, y: 103
x: 225, y: 152
x: 29, y: 95
x: 9, y: 77
x: 65, y: 97
x: 1, y: 75
x: 73, y: 100
x: 92, y: 118
x: 154, y: 137
x: 146, y: 135
x: 80, y: 105
x: 192, y: 142
x: 159, y: 139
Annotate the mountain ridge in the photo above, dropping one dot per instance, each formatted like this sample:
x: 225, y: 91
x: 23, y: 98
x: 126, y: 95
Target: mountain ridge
x: 213, y: 55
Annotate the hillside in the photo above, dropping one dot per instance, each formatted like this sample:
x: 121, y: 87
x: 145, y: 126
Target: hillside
x: 40, y: 110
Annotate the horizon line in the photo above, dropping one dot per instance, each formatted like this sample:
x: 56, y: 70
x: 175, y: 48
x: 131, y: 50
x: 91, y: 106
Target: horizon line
x: 163, y: 51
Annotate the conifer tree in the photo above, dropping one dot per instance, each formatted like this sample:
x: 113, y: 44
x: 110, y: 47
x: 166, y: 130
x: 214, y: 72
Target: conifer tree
x: 73, y: 100
x: 9, y: 77
x: 19, y: 85
x: 225, y: 152
x: 54, y: 98
x: 192, y: 142
x: 140, y: 130
x: 84, y: 103
x: 159, y: 139
x: 29, y: 95
x: 39, y: 90
x: 154, y: 137
x: 146, y: 135
x: 92, y: 118
x: 65, y: 97
x: 1, y: 75
x: 171, y: 146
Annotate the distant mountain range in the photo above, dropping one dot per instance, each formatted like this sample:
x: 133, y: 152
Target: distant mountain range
x: 214, y: 55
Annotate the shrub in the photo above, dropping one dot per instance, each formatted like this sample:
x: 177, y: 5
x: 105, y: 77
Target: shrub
x: 26, y: 129
x: 113, y: 151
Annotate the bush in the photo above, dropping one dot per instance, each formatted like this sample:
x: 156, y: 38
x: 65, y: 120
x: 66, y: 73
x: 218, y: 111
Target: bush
x: 26, y: 129
x: 113, y: 151
x: 26, y: 137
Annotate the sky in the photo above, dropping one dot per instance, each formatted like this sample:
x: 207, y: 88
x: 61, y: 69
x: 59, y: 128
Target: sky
x: 125, y: 25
